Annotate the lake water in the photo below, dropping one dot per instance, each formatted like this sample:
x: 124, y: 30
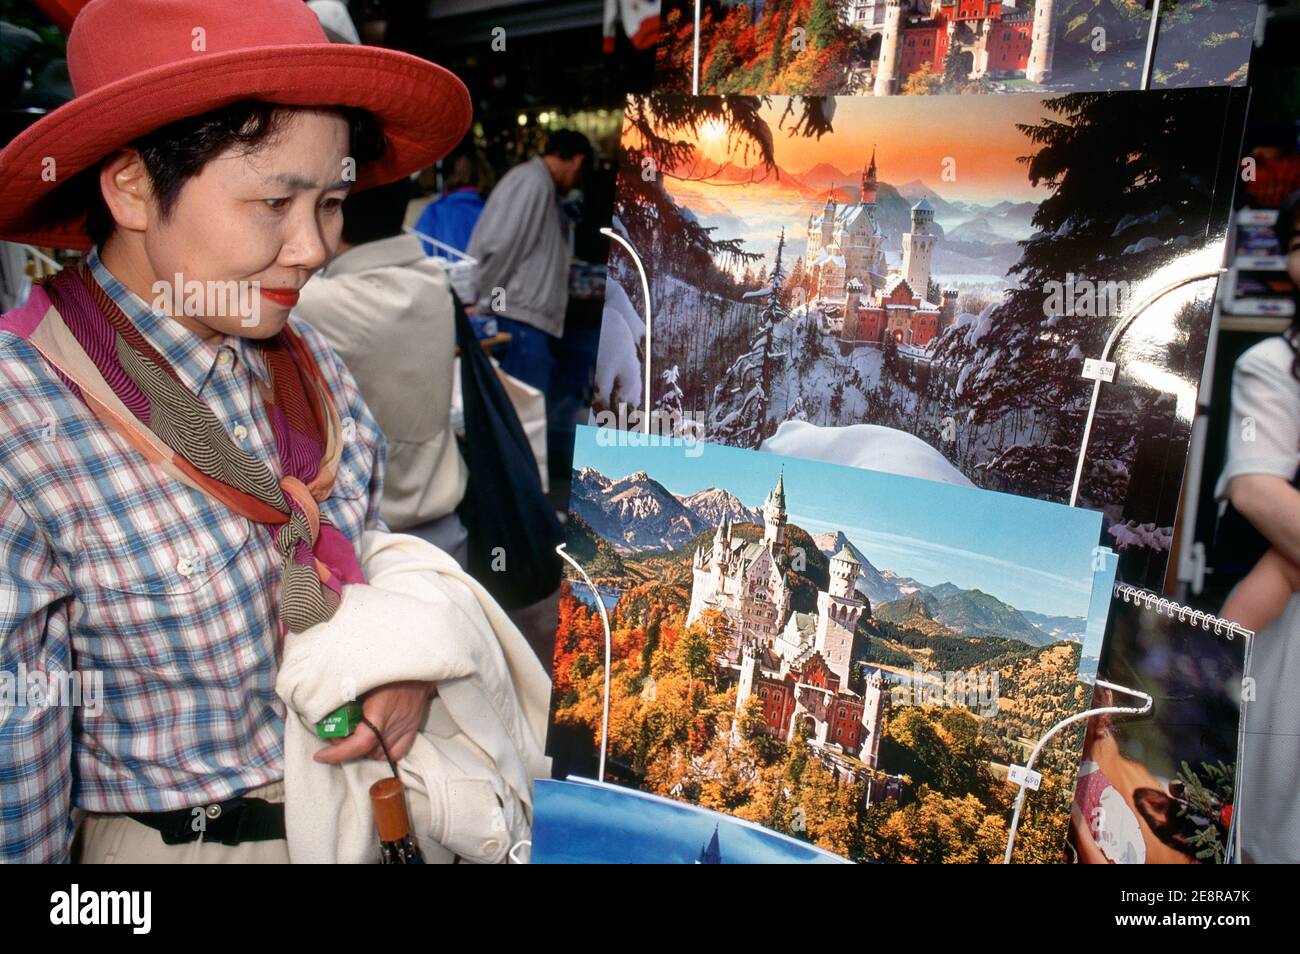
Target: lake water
x: 608, y: 594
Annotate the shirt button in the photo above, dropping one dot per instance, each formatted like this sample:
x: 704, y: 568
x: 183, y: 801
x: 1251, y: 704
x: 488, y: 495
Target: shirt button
x: 490, y: 846
x: 185, y: 566
x: 240, y: 432
x: 224, y: 359
x: 349, y: 428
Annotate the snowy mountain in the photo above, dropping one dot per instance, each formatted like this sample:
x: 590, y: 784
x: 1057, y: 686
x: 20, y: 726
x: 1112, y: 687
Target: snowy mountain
x: 1058, y: 627
x: 916, y: 190
x: 634, y: 513
x: 988, y: 227
x: 906, y: 584
x: 872, y: 584
x: 709, y: 506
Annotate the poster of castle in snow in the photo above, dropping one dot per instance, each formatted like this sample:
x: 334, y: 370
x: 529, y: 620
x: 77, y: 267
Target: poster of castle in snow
x: 939, y: 268
x: 920, y: 47
x: 847, y: 657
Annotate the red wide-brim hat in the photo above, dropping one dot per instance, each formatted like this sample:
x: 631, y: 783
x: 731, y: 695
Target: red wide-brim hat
x: 137, y: 65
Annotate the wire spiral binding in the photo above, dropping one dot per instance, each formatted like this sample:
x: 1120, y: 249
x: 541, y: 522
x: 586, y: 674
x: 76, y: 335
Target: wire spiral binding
x: 1184, y: 614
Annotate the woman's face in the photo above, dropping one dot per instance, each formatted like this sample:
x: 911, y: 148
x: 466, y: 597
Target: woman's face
x: 250, y: 229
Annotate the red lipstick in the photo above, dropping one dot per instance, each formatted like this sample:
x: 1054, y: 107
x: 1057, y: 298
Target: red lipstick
x: 284, y: 297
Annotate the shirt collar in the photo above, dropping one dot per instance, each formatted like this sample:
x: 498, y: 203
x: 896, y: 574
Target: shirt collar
x: 190, y: 355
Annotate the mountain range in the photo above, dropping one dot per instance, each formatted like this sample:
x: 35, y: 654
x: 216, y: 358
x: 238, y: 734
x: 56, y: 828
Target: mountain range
x: 637, y: 514
x: 969, y: 612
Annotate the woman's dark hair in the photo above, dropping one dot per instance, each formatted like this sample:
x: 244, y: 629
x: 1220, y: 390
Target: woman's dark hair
x: 1285, y: 230
x: 177, y: 152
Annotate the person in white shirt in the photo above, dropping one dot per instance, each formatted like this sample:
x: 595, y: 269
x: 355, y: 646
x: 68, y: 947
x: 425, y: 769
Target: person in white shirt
x: 386, y: 308
x: 1259, y: 477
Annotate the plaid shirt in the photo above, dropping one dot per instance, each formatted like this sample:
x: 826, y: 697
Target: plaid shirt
x: 110, y: 566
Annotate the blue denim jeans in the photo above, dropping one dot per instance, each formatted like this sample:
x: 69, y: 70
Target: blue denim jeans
x: 528, y: 356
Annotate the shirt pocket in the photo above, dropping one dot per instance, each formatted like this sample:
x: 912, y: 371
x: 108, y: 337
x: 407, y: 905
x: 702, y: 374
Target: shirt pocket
x: 163, y: 562
x: 173, y: 586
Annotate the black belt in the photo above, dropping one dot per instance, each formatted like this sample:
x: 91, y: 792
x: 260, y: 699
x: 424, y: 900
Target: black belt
x: 231, y: 822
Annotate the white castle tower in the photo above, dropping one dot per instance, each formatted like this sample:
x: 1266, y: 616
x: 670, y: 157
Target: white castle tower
x: 918, y: 247
x: 838, y: 612
x: 1042, y: 40
x: 873, y: 698
x: 709, y: 572
x: 745, y: 684
x: 774, y: 518
x: 891, y: 50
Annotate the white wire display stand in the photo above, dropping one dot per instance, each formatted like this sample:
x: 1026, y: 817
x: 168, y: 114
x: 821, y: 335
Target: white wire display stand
x: 461, y: 268
x: 1029, y: 778
x: 645, y: 291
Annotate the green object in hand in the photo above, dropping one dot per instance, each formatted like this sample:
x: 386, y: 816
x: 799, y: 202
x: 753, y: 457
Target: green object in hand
x: 340, y: 723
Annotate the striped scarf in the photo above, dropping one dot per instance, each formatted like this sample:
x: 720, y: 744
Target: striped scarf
x: 179, y: 432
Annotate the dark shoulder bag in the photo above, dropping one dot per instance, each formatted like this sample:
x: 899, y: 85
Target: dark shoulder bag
x: 513, y: 530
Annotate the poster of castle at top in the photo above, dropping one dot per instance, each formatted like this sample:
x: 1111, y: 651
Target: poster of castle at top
x: 919, y: 47
x: 920, y: 286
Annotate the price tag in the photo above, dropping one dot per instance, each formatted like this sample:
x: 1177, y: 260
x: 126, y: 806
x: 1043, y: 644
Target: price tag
x: 1020, y: 775
x: 1094, y: 369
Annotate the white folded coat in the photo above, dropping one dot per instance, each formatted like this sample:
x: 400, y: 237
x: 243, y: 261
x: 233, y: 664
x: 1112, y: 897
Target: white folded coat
x: 469, y: 774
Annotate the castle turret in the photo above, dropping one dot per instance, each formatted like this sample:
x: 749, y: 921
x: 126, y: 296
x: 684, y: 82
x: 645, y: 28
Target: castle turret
x: 722, y: 542
x: 774, y: 516
x: 845, y: 570
x: 870, y: 183
x: 890, y: 64
x: 948, y: 311
x: 873, y: 721
x: 1042, y: 40
x: 838, y: 612
x: 918, y: 248
x: 745, y: 679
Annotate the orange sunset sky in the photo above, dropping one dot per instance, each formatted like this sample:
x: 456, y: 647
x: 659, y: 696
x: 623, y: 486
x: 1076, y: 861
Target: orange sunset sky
x: 912, y: 136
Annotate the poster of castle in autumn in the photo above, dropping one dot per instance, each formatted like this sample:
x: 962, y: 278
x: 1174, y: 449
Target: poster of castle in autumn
x: 920, y: 47
x: 938, y: 267
x: 847, y: 657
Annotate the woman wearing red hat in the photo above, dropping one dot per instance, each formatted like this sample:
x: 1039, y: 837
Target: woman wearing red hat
x: 182, y: 483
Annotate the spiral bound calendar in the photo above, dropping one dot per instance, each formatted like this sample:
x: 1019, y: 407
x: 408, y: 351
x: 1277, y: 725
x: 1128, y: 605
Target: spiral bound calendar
x: 1162, y: 787
x: 1184, y: 614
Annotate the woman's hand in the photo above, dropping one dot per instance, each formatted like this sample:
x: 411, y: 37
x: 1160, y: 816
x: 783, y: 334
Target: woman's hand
x: 397, y: 710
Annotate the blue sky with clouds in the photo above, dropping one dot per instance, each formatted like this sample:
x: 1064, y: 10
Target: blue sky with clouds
x: 1032, y: 554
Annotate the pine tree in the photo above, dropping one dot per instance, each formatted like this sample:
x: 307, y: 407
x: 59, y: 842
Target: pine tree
x: 954, y: 73
x: 798, y: 279
x: 825, y: 23
x: 741, y: 398
x: 889, y: 360
x: 773, y: 313
x: 1129, y: 176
